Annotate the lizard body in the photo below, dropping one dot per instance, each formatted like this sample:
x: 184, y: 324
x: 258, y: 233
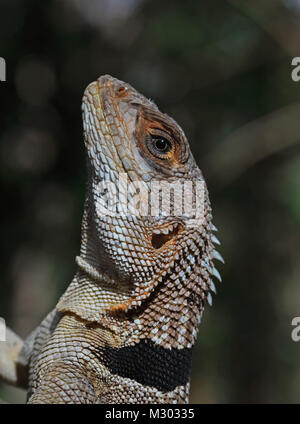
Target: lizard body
x: 124, y: 329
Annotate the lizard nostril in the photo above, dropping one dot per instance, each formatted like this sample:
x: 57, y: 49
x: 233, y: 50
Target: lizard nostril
x: 121, y: 90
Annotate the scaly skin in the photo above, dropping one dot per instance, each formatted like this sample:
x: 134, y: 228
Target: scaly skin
x: 124, y: 329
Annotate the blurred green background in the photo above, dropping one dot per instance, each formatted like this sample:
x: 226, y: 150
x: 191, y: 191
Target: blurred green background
x: 222, y: 69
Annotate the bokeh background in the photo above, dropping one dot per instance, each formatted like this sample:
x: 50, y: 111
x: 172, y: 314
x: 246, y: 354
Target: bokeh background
x: 222, y: 69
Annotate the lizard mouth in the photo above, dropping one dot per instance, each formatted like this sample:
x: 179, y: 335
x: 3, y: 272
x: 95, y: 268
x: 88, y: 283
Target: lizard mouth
x: 164, y: 234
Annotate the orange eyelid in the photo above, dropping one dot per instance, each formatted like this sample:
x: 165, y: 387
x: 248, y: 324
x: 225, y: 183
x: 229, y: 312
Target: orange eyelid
x: 157, y: 126
x: 170, y: 154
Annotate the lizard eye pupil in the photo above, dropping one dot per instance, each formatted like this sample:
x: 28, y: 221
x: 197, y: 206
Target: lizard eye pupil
x: 161, y: 144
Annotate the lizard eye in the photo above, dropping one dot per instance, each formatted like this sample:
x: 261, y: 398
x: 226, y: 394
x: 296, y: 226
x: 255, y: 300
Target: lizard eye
x: 160, y: 146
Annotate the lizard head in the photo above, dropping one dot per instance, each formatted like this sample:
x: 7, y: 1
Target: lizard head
x: 148, y: 216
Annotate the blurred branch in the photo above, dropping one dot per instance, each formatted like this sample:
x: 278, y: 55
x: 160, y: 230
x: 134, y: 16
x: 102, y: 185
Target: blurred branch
x: 232, y: 70
x: 275, y: 20
x: 252, y: 143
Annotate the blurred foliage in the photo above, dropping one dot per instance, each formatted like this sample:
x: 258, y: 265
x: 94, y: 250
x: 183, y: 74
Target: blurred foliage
x: 222, y: 70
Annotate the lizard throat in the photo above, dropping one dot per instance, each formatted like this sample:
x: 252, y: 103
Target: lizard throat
x: 93, y: 272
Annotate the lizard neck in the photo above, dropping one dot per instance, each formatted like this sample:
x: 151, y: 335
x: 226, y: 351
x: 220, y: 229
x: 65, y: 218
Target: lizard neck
x: 168, y: 317
x: 92, y: 272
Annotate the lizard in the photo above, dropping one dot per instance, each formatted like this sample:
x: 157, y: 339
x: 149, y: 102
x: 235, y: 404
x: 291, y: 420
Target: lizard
x: 124, y: 330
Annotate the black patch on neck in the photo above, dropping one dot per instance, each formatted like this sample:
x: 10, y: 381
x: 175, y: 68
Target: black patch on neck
x: 149, y: 364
